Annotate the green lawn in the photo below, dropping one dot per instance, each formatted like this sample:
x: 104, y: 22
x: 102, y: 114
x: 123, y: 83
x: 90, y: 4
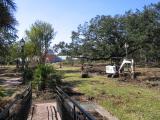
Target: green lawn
x: 124, y: 100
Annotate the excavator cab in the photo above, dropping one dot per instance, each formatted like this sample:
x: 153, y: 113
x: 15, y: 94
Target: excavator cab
x: 112, y: 68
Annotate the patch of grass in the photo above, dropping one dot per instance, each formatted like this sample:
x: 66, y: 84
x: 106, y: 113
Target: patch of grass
x: 124, y: 100
x: 70, y: 68
x: 6, y: 92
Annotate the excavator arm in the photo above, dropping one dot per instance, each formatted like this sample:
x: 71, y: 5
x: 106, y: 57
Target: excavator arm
x: 127, y: 61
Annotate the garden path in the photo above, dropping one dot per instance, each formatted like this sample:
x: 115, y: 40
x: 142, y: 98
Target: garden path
x: 9, y: 77
x: 44, y: 111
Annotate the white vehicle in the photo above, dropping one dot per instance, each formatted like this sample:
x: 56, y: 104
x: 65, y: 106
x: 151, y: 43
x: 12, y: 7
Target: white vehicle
x: 113, y: 70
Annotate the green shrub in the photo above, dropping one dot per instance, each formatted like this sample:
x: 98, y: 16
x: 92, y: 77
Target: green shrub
x: 28, y: 74
x: 46, y: 76
x: 2, y: 94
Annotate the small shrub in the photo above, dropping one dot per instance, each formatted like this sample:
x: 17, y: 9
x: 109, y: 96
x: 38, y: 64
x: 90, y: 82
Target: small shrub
x: 85, y: 75
x: 28, y: 74
x: 2, y: 94
x: 46, y: 76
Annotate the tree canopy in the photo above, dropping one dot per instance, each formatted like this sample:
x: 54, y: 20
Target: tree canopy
x: 104, y: 37
x: 40, y: 36
x: 7, y: 25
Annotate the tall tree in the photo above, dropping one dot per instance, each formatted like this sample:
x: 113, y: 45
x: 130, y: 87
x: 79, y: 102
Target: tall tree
x: 7, y: 8
x: 104, y: 37
x: 61, y: 48
x: 7, y: 24
x: 40, y: 34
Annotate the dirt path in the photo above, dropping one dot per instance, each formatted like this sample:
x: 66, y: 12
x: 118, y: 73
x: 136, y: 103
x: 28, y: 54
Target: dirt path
x: 9, y: 77
x: 44, y: 111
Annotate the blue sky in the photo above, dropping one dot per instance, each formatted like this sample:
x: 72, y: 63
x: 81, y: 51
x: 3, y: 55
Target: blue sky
x: 66, y: 15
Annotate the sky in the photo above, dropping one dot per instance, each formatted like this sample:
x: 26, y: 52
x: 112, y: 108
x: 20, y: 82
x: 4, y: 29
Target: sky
x: 66, y: 15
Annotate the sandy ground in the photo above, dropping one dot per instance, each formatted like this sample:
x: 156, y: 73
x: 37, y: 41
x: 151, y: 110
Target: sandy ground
x: 10, y: 81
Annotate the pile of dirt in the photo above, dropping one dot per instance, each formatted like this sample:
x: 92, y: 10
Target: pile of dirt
x: 97, y: 68
x: 149, y: 76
